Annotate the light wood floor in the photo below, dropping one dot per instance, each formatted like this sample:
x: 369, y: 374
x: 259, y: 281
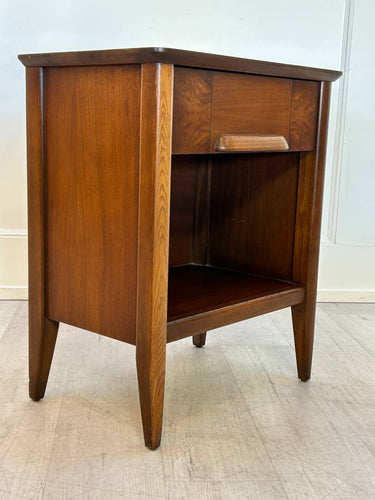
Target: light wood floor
x: 238, y: 423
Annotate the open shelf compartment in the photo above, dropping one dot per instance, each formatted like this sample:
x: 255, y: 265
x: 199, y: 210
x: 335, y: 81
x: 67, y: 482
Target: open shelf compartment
x: 203, y: 297
x: 231, y: 239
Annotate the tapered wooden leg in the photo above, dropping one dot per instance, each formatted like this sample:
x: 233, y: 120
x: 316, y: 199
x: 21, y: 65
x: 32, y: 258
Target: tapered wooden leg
x: 42, y: 331
x: 42, y: 340
x: 303, y: 325
x: 153, y: 244
x: 200, y: 339
x: 307, y: 237
x: 151, y: 381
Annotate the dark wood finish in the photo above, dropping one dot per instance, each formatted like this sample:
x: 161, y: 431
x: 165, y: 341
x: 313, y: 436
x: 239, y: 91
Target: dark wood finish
x: 153, y: 243
x: 42, y: 331
x: 243, y: 104
x: 252, y: 218
x: 224, y: 297
x: 303, y: 115
x: 251, y: 142
x: 91, y: 205
x: 307, y: 238
x: 179, y: 58
x: 182, y: 211
x: 243, y: 236
x: 215, y: 112
x: 202, y: 211
x: 191, y: 111
x: 190, y: 192
x: 199, y: 340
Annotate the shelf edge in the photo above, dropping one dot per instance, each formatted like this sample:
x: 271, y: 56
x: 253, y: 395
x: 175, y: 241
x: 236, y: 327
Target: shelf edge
x: 216, y: 318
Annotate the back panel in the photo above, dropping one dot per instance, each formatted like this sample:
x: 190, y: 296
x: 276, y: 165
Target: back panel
x: 253, y: 210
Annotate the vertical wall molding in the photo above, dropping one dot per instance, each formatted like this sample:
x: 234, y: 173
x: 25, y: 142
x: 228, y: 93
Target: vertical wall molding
x: 337, y: 164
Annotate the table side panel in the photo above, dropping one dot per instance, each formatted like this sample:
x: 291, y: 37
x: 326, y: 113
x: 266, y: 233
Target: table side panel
x: 91, y: 125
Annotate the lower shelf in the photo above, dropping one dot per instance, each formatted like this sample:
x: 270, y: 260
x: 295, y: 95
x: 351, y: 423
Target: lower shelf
x: 201, y: 298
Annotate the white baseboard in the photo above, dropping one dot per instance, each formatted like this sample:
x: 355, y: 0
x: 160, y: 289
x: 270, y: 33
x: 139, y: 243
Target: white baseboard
x: 346, y: 296
x: 13, y: 232
x: 13, y: 293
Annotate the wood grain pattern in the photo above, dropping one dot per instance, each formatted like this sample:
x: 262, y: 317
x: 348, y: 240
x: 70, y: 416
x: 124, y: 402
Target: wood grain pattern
x: 252, y: 219
x: 202, y: 210
x: 179, y: 58
x: 153, y: 243
x: 216, y: 112
x: 191, y: 111
x: 182, y: 210
x: 224, y: 297
x: 243, y: 104
x: 307, y: 239
x: 304, y: 115
x: 190, y: 191
x: 92, y: 197
x: 42, y: 331
x: 253, y: 142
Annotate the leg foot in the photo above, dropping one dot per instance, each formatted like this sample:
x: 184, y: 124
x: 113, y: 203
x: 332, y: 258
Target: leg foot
x: 151, y: 380
x: 199, y: 340
x: 42, y: 340
x: 303, y: 325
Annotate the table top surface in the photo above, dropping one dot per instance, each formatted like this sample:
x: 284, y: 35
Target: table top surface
x: 179, y: 58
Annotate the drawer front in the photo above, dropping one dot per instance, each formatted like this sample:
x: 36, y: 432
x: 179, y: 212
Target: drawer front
x: 210, y: 104
x: 243, y: 104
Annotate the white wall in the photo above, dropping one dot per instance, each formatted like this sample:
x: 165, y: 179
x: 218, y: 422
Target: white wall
x: 291, y: 31
x: 347, y: 264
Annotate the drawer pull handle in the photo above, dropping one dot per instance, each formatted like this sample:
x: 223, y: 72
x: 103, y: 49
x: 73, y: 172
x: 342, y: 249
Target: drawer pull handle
x: 253, y: 142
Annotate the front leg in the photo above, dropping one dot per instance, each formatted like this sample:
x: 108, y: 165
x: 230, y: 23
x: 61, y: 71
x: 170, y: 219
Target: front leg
x: 42, y: 331
x: 42, y: 340
x: 307, y: 238
x: 153, y: 244
x: 151, y: 381
x: 303, y: 316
